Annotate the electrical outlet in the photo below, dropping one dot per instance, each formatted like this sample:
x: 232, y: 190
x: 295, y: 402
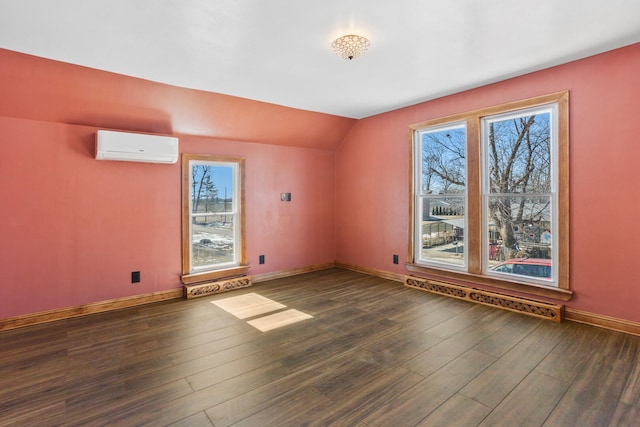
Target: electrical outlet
x: 261, y: 259
x: 135, y: 277
x: 395, y: 259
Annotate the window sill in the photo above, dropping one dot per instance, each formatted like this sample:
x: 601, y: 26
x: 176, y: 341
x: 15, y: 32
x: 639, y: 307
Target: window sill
x: 472, y: 280
x: 189, y: 279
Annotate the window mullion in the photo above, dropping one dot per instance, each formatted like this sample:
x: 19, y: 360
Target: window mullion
x: 474, y: 192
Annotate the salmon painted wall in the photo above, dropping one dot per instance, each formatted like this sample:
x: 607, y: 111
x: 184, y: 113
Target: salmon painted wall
x: 372, y: 167
x: 73, y: 228
x: 40, y: 89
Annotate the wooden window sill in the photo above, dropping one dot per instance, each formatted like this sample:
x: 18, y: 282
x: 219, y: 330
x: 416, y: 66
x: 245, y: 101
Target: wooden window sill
x: 471, y: 280
x: 189, y: 279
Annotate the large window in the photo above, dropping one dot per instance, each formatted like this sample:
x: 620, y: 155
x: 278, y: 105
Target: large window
x: 213, y: 221
x: 491, y: 196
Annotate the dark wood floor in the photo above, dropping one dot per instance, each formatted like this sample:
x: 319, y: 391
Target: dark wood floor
x: 375, y: 354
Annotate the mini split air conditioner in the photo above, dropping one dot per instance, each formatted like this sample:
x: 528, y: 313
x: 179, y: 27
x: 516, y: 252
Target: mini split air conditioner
x: 136, y: 147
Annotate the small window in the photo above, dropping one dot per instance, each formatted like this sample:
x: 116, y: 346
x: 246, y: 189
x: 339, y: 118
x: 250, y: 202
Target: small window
x: 213, y: 221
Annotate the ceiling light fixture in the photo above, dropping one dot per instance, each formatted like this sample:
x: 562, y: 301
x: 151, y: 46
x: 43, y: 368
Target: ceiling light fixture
x: 350, y: 46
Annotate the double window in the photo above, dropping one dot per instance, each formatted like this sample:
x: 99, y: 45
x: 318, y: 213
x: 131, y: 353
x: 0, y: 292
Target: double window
x: 212, y: 217
x: 490, y: 195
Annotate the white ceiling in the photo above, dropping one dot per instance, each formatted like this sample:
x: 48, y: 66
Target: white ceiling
x: 279, y: 51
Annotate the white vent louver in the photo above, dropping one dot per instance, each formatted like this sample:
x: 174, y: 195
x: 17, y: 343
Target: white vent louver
x: 136, y: 147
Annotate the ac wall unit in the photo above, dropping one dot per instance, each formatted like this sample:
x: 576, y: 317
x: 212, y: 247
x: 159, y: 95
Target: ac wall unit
x: 136, y: 147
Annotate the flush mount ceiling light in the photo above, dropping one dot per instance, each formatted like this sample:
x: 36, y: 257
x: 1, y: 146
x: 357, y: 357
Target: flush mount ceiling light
x: 350, y: 46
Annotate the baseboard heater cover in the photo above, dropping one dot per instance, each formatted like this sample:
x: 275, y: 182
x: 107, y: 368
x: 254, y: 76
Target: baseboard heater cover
x: 531, y: 307
x: 210, y: 288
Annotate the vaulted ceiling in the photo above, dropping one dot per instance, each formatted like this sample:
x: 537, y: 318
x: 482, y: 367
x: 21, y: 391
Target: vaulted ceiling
x: 279, y: 51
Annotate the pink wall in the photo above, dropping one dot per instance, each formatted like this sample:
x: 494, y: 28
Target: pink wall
x: 73, y: 228
x: 290, y: 234
x: 40, y: 89
x: 372, y: 167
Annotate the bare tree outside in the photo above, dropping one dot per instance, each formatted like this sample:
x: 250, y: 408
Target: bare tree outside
x: 519, y: 163
x: 444, y: 161
x: 203, y: 188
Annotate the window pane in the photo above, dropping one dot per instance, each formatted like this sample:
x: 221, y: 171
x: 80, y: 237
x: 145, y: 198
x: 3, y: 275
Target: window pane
x: 212, y: 240
x: 443, y: 160
x: 520, y: 236
x: 518, y: 214
x: 212, y: 214
x: 442, y: 197
x: 442, y: 230
x: 211, y: 188
x: 519, y: 153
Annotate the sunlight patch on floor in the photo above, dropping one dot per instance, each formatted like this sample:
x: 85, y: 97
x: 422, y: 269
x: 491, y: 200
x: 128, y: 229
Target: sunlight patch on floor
x: 278, y: 320
x: 248, y: 305
x: 252, y: 304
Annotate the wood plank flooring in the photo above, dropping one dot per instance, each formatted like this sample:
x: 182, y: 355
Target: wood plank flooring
x: 375, y: 353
